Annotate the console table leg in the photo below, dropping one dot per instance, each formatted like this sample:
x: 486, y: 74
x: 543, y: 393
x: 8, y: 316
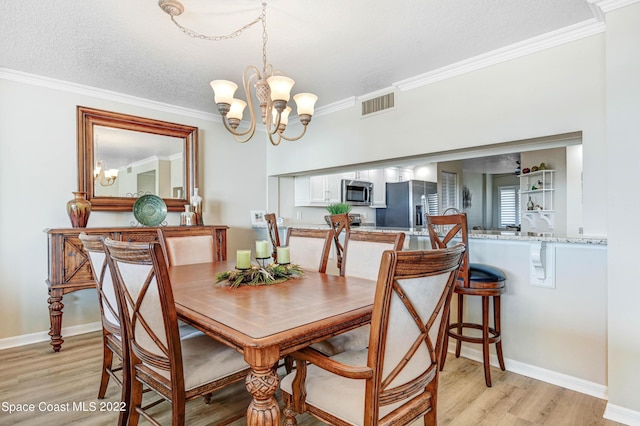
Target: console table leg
x: 55, y: 317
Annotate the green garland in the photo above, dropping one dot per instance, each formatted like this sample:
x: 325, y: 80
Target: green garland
x: 258, y: 275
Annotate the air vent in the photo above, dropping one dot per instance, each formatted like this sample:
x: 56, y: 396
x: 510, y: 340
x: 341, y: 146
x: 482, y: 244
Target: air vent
x: 129, y: 169
x: 378, y: 104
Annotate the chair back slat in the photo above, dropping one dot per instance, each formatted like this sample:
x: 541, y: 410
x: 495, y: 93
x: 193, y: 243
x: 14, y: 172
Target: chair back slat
x: 274, y: 236
x: 413, y: 295
x: 446, y: 230
x: 340, y: 222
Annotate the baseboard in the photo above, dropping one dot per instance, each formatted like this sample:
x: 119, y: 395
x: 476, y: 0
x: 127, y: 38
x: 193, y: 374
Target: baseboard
x: 559, y: 379
x: 42, y: 336
x: 622, y: 415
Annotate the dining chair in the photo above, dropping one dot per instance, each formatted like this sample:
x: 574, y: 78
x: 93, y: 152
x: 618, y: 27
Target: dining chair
x: 309, y: 248
x: 274, y: 236
x: 474, y: 279
x: 109, y: 315
x: 362, y: 255
x: 339, y: 222
x: 177, y: 369
x: 187, y: 245
x: 395, y: 380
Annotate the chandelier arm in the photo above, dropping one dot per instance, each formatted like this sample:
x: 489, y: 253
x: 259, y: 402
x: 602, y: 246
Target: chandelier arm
x: 304, y: 130
x: 275, y: 143
x: 238, y: 135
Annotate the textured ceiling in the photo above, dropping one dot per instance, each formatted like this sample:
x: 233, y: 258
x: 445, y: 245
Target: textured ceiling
x: 334, y: 48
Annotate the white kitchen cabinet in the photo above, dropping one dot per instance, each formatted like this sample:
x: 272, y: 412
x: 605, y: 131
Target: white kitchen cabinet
x: 397, y: 174
x: 536, y: 197
x: 377, y: 176
x: 317, y: 190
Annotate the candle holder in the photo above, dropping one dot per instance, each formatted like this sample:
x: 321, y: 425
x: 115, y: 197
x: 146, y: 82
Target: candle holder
x: 263, y: 261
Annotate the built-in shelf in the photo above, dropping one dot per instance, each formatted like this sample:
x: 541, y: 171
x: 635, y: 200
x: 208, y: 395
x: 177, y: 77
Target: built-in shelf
x: 536, y: 197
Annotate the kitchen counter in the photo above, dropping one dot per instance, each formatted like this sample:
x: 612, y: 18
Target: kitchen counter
x: 487, y: 235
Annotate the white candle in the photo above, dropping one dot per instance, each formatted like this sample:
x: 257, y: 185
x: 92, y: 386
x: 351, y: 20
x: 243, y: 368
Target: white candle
x: 283, y: 255
x: 262, y: 249
x: 243, y: 259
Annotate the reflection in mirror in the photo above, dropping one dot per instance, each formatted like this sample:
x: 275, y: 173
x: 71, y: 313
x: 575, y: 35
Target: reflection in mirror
x: 129, y: 162
x: 121, y: 157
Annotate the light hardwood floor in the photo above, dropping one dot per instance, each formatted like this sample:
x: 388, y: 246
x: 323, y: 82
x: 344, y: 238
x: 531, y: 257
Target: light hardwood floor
x: 36, y: 375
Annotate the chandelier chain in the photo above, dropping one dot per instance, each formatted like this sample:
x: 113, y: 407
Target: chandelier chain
x: 233, y: 34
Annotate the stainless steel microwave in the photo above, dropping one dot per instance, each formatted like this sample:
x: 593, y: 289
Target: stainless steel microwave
x: 357, y: 192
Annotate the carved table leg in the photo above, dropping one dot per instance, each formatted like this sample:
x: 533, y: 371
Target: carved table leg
x: 289, y: 416
x: 55, y: 317
x: 262, y: 384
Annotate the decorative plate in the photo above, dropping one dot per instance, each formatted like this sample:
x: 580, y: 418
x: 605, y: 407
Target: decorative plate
x: 150, y: 210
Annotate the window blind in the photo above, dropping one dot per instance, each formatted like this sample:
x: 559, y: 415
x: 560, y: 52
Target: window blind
x: 449, y: 186
x: 508, y: 205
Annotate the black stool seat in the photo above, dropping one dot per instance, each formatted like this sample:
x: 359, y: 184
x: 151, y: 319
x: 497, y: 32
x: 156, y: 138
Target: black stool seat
x: 482, y: 273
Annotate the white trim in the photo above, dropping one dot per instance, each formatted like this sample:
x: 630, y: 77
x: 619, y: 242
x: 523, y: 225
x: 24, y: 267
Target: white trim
x: 559, y: 379
x: 621, y: 415
x: 609, y: 5
x: 65, y: 86
x: 336, y: 106
x: 527, y: 47
x: 43, y: 336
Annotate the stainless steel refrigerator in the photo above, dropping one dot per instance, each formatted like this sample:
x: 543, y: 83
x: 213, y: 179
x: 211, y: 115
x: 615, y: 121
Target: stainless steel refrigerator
x: 406, y: 204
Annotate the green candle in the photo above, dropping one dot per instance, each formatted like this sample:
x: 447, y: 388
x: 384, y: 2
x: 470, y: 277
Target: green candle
x: 243, y: 259
x: 283, y: 255
x: 262, y: 249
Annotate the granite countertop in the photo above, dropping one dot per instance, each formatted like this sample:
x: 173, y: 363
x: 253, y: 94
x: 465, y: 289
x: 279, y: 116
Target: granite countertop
x: 487, y: 235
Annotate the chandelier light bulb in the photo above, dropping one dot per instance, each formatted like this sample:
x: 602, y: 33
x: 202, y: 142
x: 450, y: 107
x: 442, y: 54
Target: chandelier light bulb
x: 237, y: 107
x: 280, y: 87
x: 305, y: 103
x: 223, y: 91
x: 284, y: 116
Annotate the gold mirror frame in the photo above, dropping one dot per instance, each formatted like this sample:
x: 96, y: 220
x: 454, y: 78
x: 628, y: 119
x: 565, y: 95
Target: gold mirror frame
x: 90, y: 117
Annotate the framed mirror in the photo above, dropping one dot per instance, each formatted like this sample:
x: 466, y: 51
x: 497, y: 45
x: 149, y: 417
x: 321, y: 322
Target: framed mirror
x: 122, y: 157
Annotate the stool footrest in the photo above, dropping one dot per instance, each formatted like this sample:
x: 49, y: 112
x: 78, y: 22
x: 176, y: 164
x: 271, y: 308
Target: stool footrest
x: 494, y: 336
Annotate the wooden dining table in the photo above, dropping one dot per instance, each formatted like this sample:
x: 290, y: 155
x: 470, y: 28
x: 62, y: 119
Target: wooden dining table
x: 266, y: 323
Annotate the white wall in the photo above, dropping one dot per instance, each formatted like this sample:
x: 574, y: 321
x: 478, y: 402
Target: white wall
x: 38, y: 173
x: 623, y: 136
x: 559, y: 90
x: 590, y: 85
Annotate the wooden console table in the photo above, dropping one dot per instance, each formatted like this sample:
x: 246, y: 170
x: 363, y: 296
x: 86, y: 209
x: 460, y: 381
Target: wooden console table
x: 69, y: 268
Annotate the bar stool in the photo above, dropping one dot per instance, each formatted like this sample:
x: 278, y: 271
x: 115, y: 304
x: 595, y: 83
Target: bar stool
x: 474, y: 279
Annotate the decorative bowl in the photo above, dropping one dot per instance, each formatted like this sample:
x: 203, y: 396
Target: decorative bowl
x: 150, y: 210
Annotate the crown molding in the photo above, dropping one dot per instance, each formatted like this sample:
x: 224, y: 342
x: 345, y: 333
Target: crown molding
x: 335, y: 107
x: 527, y: 47
x: 79, y: 89
x: 609, y: 5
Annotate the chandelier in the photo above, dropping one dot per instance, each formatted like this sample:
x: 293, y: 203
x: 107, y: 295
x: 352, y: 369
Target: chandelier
x: 271, y: 88
x: 104, y: 176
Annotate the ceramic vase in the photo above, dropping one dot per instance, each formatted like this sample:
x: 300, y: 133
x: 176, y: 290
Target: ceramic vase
x: 187, y: 217
x: 79, y: 210
x: 196, y: 203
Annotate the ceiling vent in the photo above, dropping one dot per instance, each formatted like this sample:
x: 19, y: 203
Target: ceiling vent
x: 378, y: 104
